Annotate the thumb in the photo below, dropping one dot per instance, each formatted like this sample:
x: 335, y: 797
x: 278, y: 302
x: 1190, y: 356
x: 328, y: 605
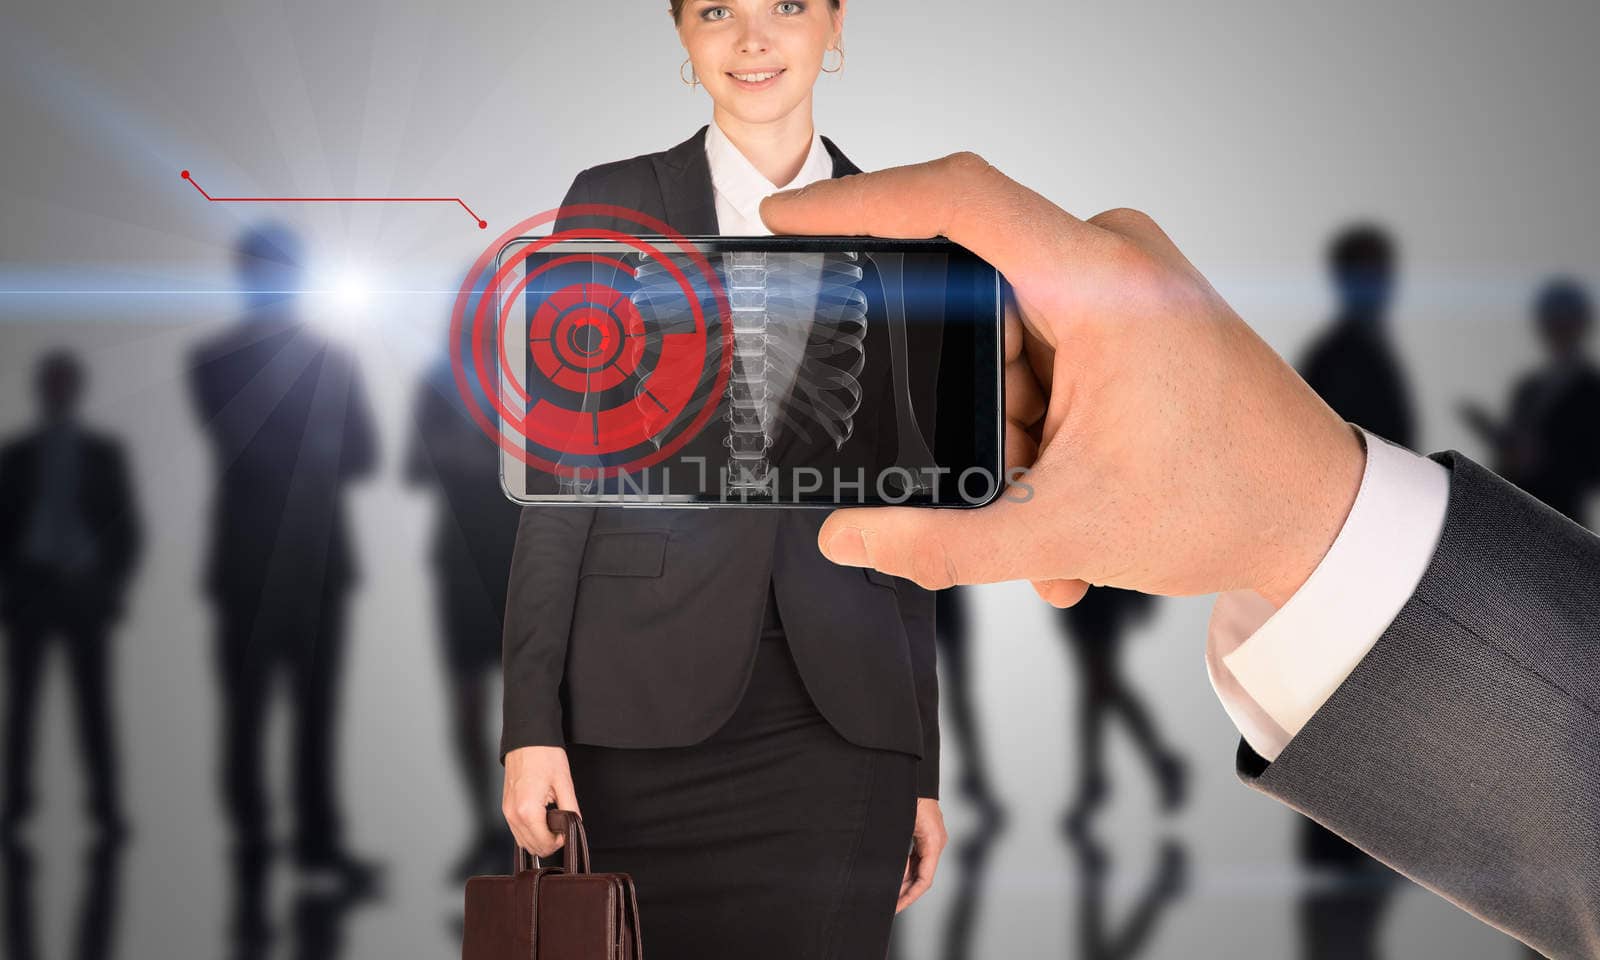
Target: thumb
x: 1061, y: 593
x: 933, y: 547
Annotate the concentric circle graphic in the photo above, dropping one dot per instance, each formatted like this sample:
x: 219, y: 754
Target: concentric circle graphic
x: 608, y: 389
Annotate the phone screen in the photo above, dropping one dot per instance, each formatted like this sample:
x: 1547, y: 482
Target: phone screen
x: 751, y: 371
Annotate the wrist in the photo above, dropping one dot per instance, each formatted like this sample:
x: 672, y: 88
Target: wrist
x: 1325, y: 492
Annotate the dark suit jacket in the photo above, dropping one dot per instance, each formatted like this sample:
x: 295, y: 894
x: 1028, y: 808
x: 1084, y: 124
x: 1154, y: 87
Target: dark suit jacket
x: 107, y: 504
x: 289, y: 428
x: 1464, y: 749
x: 638, y: 627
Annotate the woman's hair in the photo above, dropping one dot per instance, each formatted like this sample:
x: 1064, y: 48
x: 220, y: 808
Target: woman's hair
x: 677, y: 8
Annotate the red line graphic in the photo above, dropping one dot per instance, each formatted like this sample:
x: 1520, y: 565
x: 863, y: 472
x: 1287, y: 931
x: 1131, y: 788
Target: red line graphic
x: 482, y: 224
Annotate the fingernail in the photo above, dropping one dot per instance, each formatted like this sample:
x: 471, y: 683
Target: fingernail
x: 848, y: 548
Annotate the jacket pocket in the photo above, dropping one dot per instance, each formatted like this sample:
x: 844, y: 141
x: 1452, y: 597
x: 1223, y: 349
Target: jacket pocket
x: 625, y: 553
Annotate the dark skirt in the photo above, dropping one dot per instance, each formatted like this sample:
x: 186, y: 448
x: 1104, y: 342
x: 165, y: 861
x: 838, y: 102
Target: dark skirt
x: 774, y: 838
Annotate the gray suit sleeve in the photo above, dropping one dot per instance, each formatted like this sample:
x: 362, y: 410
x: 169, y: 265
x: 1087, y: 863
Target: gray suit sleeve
x: 540, y: 597
x: 1464, y: 749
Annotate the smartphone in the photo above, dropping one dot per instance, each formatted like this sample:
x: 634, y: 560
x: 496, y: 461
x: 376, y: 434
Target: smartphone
x: 750, y: 372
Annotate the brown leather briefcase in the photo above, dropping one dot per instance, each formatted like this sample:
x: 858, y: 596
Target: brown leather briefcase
x: 553, y: 913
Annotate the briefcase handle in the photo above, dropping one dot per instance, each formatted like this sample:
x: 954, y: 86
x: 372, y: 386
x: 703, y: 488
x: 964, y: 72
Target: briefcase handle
x: 575, y: 854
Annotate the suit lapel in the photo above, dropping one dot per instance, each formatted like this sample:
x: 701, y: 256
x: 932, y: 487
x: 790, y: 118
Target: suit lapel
x: 684, y: 177
x: 842, y: 167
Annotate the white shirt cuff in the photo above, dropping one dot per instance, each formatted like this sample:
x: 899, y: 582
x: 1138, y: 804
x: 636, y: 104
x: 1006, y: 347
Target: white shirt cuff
x: 1273, y: 668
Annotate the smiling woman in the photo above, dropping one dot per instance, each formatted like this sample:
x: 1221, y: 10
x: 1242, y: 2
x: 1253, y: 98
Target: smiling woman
x: 758, y: 60
x: 751, y: 731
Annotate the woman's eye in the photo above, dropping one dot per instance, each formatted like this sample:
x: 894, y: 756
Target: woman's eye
x: 717, y: 13
x: 791, y: 8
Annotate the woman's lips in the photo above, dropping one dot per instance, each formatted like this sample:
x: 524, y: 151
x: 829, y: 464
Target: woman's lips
x: 760, y: 84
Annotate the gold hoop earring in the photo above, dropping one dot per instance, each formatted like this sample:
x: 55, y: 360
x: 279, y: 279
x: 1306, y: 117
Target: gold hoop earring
x: 840, y: 67
x: 693, y: 79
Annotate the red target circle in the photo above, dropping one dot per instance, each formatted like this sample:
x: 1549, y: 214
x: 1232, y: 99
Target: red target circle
x: 586, y: 339
x: 579, y: 337
x: 508, y: 375
x: 658, y: 399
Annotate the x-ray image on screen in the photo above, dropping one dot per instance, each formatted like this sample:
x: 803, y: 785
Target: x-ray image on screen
x: 757, y: 375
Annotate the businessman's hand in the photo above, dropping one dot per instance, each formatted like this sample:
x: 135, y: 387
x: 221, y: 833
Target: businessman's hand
x: 928, y: 839
x: 536, y: 776
x: 1170, y: 449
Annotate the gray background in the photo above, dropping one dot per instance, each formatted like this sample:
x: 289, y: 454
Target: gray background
x: 1251, y: 130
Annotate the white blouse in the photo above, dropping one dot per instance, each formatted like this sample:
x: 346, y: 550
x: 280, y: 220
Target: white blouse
x: 740, y: 187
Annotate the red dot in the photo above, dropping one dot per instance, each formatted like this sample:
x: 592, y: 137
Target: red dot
x: 185, y: 174
x: 482, y: 224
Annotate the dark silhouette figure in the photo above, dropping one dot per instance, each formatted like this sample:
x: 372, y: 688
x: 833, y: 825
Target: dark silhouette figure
x: 1346, y: 897
x: 287, y: 419
x: 321, y: 919
x: 1096, y: 628
x: 1549, y: 443
x: 1352, y: 365
x: 1098, y: 938
x: 969, y: 859
x: 952, y: 629
x: 475, y: 528
x: 1354, y: 368
x: 972, y: 866
x: 99, y: 903
x: 69, y: 539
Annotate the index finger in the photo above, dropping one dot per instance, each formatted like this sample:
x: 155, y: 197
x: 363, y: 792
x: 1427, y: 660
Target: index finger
x: 961, y: 197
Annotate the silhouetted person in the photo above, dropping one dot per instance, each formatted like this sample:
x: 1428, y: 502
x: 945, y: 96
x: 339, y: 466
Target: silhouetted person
x: 1549, y: 444
x: 321, y: 920
x: 1098, y: 939
x: 1347, y: 895
x: 952, y: 628
x: 1096, y: 628
x: 969, y: 855
x: 1354, y: 368
x: 99, y: 902
x: 1352, y: 365
x: 475, y: 528
x: 69, y: 538
x: 287, y: 419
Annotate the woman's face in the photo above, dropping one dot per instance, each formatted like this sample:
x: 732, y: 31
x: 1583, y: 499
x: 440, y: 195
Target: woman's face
x: 759, y: 58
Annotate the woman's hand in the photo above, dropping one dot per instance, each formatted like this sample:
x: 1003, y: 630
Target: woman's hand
x: 536, y: 776
x: 928, y: 838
